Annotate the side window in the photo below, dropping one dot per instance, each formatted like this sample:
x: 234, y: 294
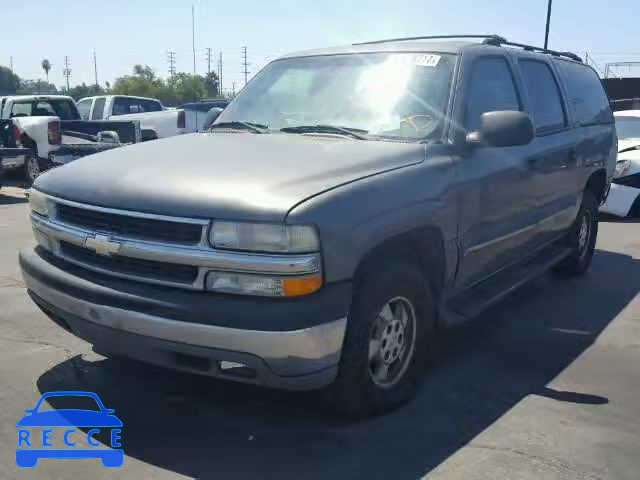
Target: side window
x: 150, y: 106
x: 121, y: 106
x: 492, y: 89
x: 544, y: 96
x: 98, y: 108
x: 84, y: 107
x: 586, y: 93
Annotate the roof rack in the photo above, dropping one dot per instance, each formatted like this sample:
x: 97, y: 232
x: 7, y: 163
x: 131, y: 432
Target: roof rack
x: 432, y: 37
x: 498, y: 41
x: 489, y: 39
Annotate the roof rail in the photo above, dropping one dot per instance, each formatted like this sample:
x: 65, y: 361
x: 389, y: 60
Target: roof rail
x: 498, y: 41
x: 489, y: 39
x: 433, y: 37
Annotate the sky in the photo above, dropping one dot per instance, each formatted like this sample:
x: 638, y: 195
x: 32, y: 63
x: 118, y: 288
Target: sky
x: 127, y: 32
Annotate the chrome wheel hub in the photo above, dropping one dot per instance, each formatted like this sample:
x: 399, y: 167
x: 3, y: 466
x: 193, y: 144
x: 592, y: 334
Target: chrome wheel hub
x: 392, y: 342
x: 32, y: 167
x: 584, y: 233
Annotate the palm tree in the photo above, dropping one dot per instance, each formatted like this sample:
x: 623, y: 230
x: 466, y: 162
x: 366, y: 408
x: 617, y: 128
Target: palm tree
x: 46, y: 66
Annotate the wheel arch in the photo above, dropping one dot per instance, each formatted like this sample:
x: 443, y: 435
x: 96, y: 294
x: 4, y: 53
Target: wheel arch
x: 424, y: 244
x: 597, y: 184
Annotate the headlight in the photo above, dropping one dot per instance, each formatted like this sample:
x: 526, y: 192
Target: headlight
x: 38, y: 203
x: 622, y: 168
x: 264, y: 237
x: 267, y: 286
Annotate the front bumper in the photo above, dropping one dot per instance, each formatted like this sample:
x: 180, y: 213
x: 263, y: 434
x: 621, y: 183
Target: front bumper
x: 621, y: 200
x: 111, y: 315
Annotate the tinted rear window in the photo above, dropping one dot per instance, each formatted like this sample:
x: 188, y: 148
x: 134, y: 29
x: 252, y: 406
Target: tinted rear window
x: 586, y: 93
x: 544, y: 96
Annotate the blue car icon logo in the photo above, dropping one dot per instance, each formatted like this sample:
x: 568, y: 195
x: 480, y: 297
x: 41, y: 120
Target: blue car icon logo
x: 40, y: 434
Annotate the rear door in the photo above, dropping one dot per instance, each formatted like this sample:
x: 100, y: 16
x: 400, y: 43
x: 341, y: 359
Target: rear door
x: 495, y: 224
x: 553, y: 159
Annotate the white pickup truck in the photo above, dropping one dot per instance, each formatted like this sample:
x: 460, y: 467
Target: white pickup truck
x: 50, y: 126
x: 155, y: 121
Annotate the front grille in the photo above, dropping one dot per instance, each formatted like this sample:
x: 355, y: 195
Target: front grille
x: 630, y: 181
x: 165, y: 272
x: 129, y: 226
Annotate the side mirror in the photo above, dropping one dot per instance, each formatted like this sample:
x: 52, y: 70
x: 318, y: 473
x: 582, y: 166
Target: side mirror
x: 212, y: 116
x: 505, y: 128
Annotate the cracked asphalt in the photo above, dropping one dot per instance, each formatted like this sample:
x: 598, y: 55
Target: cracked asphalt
x: 544, y: 386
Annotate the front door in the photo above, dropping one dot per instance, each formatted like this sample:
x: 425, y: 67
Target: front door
x: 496, y: 199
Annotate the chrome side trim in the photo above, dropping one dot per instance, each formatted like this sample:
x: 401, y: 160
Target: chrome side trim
x: 183, y: 255
x: 533, y: 226
x: 287, y: 353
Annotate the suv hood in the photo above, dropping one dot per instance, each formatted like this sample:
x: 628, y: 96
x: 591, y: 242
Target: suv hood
x: 226, y: 175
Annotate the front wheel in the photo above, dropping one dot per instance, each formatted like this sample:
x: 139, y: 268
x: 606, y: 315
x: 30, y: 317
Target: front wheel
x: 389, y: 334
x: 581, y: 239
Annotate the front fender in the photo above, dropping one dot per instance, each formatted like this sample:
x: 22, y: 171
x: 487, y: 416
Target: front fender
x: 355, y: 218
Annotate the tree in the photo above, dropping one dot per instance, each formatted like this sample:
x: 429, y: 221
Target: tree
x: 9, y: 81
x: 84, y: 90
x: 46, y: 66
x: 213, y: 84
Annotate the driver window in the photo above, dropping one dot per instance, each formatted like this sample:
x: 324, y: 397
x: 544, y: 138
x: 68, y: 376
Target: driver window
x: 492, y: 89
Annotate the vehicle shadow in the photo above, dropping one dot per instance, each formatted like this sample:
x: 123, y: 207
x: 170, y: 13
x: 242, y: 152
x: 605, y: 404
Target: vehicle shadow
x: 10, y: 199
x: 212, y: 429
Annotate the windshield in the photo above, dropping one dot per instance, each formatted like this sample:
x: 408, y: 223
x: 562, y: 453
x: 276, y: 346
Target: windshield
x: 628, y: 128
x: 386, y: 95
x: 62, y: 108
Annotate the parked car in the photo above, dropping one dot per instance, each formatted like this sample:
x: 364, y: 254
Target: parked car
x: 624, y: 197
x: 49, y: 125
x: 196, y: 113
x: 11, y: 154
x: 155, y: 121
x: 330, y: 241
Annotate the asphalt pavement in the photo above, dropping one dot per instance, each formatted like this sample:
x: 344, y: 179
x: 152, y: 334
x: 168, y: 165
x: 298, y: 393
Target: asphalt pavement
x: 544, y: 386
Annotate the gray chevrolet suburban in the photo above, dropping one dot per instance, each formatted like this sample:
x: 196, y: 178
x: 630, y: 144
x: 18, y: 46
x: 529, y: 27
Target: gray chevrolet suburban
x: 348, y: 206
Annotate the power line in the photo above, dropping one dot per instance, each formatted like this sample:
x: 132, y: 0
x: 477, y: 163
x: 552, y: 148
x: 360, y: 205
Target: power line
x: 171, y: 58
x: 220, y: 72
x: 245, y: 64
x: 208, y: 59
x: 193, y: 37
x: 66, y: 71
x: 95, y: 67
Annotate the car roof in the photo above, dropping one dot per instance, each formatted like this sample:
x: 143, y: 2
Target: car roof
x: 627, y: 113
x: 38, y: 97
x: 451, y: 47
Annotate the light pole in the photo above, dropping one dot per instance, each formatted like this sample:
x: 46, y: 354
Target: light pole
x: 546, y: 32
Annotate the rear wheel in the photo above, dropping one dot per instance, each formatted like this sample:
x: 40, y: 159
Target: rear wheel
x: 31, y: 168
x: 389, y: 333
x: 581, y: 239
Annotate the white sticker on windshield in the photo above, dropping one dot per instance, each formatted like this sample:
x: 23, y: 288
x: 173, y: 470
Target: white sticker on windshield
x: 426, y: 60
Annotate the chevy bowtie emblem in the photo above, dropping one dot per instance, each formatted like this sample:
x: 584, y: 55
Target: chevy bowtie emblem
x: 102, y: 245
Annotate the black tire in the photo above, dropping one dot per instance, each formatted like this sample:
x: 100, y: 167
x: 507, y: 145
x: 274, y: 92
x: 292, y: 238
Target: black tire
x: 31, y: 168
x: 354, y: 392
x: 579, y: 261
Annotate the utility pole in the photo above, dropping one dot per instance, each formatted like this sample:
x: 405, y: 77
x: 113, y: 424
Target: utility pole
x: 546, y: 32
x: 245, y: 64
x: 193, y: 36
x: 11, y: 64
x: 171, y: 58
x: 208, y: 59
x: 95, y: 67
x: 66, y: 71
x: 220, y: 72
x: 234, y: 89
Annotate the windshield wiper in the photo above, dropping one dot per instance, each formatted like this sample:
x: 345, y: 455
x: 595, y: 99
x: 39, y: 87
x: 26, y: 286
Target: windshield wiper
x: 351, y: 132
x: 253, y: 127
